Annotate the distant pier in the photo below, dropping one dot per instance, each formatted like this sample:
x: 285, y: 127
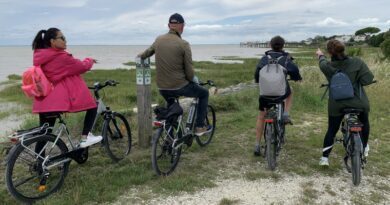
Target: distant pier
x: 257, y: 44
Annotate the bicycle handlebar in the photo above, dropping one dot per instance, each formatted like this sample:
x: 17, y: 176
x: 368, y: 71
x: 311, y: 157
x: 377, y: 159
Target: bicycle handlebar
x: 98, y: 86
x: 209, y: 82
x: 327, y: 84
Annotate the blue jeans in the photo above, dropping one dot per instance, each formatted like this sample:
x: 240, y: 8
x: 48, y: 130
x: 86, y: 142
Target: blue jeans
x: 191, y: 90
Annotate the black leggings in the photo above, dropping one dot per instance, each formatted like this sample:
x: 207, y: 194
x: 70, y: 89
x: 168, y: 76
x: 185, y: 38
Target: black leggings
x: 333, y: 127
x: 50, y: 117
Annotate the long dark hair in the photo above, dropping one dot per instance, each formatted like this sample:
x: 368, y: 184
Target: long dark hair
x: 43, y: 37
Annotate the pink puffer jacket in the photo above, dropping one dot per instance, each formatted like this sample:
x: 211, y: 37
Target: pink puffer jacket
x: 70, y: 93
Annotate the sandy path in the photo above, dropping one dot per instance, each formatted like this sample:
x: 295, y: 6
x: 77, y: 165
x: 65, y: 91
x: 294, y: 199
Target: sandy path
x: 288, y: 190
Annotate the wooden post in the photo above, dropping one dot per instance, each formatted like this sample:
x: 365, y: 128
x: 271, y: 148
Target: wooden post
x: 143, y: 76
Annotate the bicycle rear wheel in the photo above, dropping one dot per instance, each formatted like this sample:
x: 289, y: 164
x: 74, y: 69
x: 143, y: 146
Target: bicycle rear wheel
x: 210, y: 120
x: 271, y: 145
x: 26, y: 178
x: 117, y: 137
x: 164, y: 156
x: 356, y: 158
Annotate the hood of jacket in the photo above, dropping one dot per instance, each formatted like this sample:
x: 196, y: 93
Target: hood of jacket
x: 45, y: 55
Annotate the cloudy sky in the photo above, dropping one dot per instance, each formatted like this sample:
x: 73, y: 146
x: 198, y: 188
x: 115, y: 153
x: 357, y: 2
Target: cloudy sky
x: 138, y: 22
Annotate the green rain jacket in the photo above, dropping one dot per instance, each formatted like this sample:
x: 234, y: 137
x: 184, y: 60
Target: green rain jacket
x: 359, y: 74
x: 173, y: 61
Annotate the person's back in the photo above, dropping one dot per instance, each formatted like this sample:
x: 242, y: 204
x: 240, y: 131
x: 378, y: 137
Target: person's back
x: 286, y: 61
x: 359, y: 74
x: 174, y: 72
x: 173, y: 60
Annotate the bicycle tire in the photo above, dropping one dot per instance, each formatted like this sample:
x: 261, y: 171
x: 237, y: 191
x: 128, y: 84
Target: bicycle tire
x: 209, y: 121
x: 356, y: 158
x: 13, y: 168
x: 165, y: 158
x: 116, y: 135
x: 271, y: 145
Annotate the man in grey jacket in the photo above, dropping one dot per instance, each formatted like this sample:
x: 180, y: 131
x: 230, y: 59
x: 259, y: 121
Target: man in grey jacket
x: 174, y: 72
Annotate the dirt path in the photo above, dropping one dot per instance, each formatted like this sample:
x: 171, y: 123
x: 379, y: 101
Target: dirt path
x: 287, y: 190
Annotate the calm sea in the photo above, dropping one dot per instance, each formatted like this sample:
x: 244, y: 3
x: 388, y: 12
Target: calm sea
x: 15, y: 59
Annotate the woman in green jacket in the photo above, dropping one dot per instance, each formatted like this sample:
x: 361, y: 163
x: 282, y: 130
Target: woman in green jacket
x: 360, y: 75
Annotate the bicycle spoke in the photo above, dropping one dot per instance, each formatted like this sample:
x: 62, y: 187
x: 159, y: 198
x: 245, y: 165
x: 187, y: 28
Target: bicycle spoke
x: 16, y: 184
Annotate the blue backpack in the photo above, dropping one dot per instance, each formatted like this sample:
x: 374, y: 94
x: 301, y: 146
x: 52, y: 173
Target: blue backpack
x: 340, y: 87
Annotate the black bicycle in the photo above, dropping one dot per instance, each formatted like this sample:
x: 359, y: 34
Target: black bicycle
x: 173, y: 132
x: 38, y: 163
x: 274, y: 132
x: 351, y: 129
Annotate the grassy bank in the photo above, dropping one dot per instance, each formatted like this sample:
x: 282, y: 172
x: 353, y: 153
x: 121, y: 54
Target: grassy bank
x: 230, y: 154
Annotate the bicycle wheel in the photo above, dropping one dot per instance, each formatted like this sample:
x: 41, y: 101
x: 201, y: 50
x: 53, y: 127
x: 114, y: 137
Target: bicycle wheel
x: 209, y: 121
x: 164, y: 156
x: 356, y: 158
x: 271, y: 145
x: 116, y: 136
x: 26, y: 178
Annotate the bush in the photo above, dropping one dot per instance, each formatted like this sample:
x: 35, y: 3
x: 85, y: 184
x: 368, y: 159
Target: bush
x: 354, y: 51
x: 385, y: 47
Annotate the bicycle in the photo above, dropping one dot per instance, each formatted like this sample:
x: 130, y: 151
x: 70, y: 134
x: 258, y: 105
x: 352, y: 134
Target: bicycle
x: 173, y: 132
x: 38, y: 163
x: 274, y: 132
x: 351, y: 129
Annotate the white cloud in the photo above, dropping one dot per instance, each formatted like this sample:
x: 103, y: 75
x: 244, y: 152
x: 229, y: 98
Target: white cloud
x: 329, y: 21
x: 365, y: 21
x: 204, y: 27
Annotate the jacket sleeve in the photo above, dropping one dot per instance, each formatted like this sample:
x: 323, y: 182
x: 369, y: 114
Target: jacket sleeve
x: 326, y: 68
x: 188, y: 70
x: 149, y: 52
x: 75, y: 66
x: 262, y: 62
x: 293, y: 70
x: 364, y: 75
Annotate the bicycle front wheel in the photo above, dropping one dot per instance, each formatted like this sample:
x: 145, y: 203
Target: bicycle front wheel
x: 27, y: 177
x: 165, y: 156
x: 210, y: 120
x: 271, y: 145
x: 117, y: 137
x: 356, y: 158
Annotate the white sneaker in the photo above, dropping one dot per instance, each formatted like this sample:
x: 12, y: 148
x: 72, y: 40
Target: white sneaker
x: 324, y: 161
x: 366, y: 150
x: 90, y: 140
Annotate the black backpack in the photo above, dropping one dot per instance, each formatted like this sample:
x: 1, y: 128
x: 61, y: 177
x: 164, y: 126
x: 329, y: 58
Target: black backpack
x: 340, y: 87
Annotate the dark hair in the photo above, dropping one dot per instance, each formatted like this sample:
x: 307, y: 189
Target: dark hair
x: 43, y: 37
x: 277, y: 43
x: 336, y: 48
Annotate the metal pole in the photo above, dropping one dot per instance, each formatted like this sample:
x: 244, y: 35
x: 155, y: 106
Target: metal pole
x: 143, y: 76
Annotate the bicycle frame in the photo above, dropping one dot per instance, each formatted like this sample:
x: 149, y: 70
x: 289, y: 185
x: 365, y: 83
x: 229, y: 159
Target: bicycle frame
x: 275, y: 116
x: 186, y: 129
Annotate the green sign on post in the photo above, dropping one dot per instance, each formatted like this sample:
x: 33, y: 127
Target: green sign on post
x: 144, y: 113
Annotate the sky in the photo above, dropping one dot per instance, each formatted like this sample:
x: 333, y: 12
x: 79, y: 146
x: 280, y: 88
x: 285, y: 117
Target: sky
x: 139, y: 22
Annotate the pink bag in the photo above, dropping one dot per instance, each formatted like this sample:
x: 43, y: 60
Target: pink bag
x: 35, y: 83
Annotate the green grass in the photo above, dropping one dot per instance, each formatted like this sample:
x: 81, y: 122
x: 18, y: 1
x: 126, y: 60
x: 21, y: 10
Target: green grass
x: 226, y: 201
x: 100, y: 181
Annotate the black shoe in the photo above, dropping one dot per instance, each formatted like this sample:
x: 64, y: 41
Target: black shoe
x: 189, y: 140
x: 257, y: 151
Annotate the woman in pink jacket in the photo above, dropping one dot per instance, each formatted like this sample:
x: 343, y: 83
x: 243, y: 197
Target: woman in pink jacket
x: 70, y: 93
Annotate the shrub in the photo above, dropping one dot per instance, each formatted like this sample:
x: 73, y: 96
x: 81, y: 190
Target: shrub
x: 385, y: 47
x: 354, y: 51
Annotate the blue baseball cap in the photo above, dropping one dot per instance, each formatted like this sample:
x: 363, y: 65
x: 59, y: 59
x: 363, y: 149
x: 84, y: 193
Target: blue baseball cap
x: 176, y: 18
